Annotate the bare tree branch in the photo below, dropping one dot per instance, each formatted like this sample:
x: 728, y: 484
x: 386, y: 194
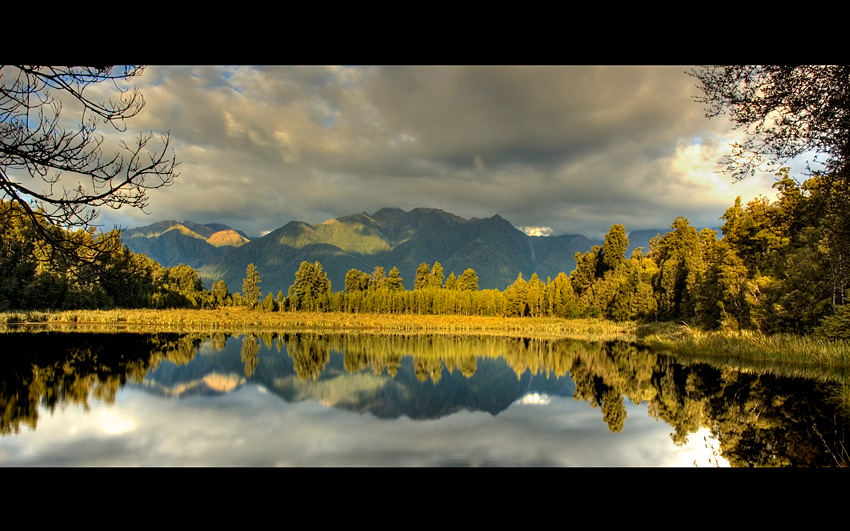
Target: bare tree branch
x: 60, y: 171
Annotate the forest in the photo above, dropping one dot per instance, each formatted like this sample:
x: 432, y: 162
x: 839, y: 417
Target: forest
x: 776, y: 266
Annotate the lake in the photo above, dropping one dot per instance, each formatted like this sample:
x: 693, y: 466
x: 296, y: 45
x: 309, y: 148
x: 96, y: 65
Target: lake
x: 367, y: 399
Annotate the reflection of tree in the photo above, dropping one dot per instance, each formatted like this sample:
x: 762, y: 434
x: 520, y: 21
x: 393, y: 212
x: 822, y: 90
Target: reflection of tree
x: 759, y: 420
x: 218, y: 340
x: 467, y: 366
x: 425, y: 368
x: 594, y: 390
x: 51, y: 370
x: 250, y: 354
x: 613, y: 410
x: 309, y: 354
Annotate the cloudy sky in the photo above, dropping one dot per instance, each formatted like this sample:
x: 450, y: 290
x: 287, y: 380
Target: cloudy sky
x: 569, y: 149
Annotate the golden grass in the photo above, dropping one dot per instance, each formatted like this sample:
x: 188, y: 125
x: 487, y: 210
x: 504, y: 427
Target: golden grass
x: 236, y: 320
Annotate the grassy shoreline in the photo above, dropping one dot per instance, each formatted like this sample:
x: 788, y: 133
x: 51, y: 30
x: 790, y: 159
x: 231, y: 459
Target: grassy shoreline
x: 675, y: 339
x: 236, y: 320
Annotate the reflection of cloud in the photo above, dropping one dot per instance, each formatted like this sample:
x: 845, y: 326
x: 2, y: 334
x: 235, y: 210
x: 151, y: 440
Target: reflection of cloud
x: 534, y: 399
x: 251, y: 427
x: 113, y: 424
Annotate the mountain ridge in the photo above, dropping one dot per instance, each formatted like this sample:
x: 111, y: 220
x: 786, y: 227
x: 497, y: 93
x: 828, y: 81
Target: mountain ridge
x: 390, y: 237
x: 170, y: 242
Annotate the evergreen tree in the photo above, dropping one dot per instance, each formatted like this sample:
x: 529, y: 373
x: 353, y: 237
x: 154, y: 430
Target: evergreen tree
x: 468, y: 281
x: 516, y: 296
x: 394, y: 281
x: 219, y: 292
x: 436, y: 277
x: 377, y: 279
x: 356, y: 281
x: 614, y: 249
x: 269, y: 303
x: 681, y: 270
x: 421, y: 280
x: 251, y: 286
x: 311, y: 290
x: 564, y: 303
x: 587, y: 265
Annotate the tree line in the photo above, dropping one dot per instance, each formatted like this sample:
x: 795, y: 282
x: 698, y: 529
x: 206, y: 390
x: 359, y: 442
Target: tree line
x: 775, y: 266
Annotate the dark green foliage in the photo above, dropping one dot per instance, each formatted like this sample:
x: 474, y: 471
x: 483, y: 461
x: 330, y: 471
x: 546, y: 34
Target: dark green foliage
x: 836, y: 326
x: 356, y: 281
x: 104, y: 273
x: 679, y: 255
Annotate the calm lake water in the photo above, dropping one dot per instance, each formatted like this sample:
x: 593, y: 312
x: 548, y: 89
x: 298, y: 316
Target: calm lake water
x: 298, y: 399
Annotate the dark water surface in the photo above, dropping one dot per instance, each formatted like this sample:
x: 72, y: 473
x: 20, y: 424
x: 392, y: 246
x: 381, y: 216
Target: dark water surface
x: 297, y: 399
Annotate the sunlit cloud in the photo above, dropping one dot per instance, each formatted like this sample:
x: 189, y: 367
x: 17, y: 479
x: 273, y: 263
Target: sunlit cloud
x: 537, y: 231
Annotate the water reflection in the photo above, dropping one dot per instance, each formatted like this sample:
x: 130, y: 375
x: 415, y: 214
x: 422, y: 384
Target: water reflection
x: 757, y: 420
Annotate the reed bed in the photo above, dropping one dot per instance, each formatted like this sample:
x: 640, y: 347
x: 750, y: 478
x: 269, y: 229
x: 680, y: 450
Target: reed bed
x: 749, y: 345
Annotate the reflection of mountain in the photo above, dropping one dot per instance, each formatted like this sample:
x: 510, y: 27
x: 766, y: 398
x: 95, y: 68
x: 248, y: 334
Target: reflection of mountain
x: 210, y: 384
x: 492, y: 387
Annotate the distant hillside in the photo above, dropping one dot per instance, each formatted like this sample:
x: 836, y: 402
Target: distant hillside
x: 494, y: 248
x: 171, y: 243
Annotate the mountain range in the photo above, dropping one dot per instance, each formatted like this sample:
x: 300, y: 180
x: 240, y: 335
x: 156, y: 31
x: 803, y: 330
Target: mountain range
x: 171, y: 243
x: 493, y: 247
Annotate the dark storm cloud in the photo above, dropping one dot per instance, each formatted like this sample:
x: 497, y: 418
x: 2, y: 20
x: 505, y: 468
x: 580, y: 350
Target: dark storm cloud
x: 572, y: 148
